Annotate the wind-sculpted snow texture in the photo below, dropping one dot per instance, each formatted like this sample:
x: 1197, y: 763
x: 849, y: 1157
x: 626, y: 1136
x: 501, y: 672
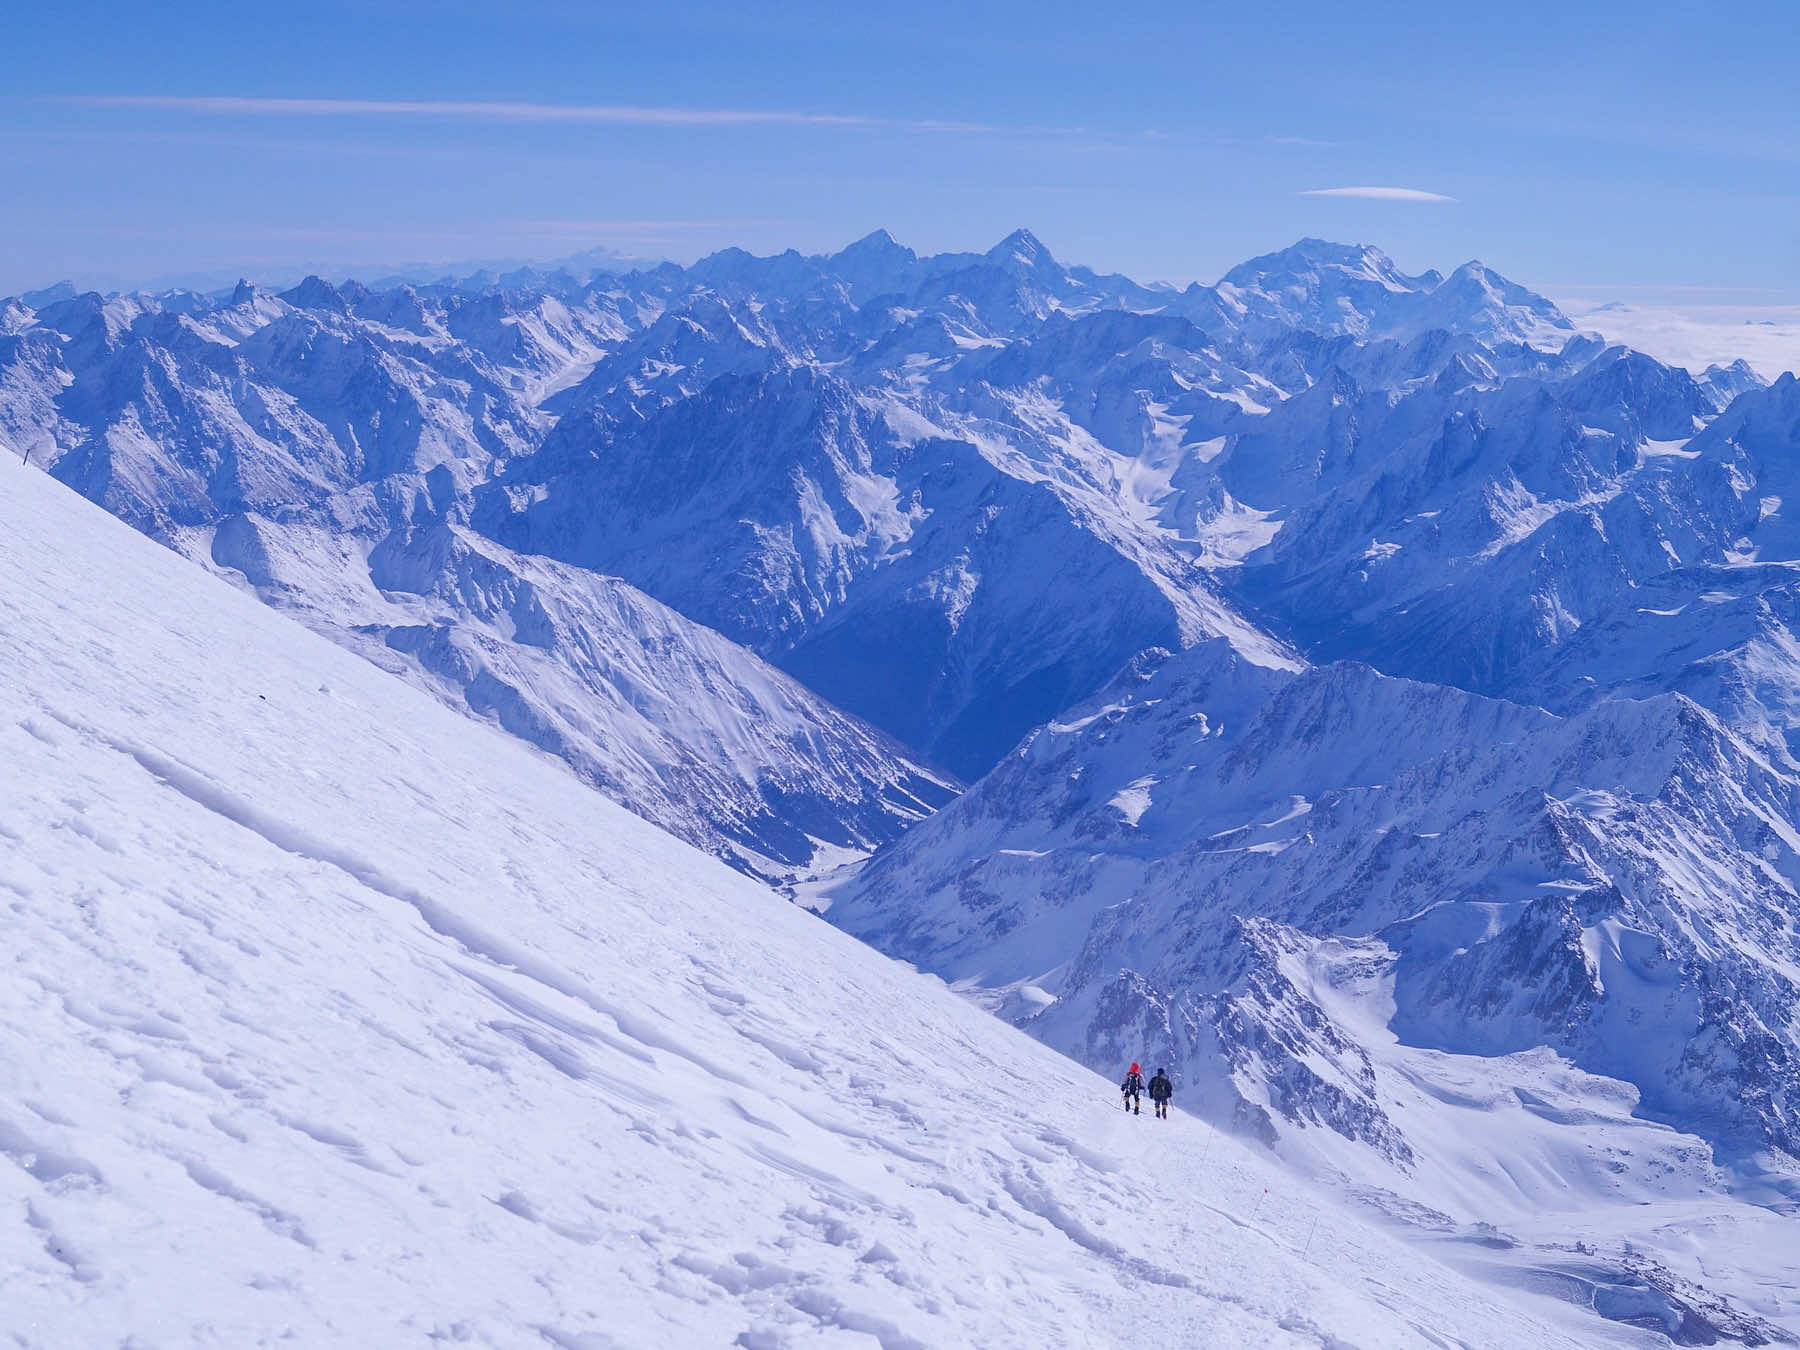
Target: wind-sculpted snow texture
x: 333, y: 1020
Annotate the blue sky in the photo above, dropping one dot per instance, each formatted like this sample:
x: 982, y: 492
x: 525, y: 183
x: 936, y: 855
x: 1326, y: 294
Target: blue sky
x: 1644, y: 150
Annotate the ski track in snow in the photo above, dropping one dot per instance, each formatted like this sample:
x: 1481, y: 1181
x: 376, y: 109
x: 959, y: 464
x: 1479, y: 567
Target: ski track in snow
x: 334, y: 1019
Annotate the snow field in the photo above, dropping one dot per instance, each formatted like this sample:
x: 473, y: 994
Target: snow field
x: 332, y: 1018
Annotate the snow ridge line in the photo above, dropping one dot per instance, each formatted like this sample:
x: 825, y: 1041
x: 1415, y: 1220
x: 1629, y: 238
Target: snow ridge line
x: 1033, y: 1196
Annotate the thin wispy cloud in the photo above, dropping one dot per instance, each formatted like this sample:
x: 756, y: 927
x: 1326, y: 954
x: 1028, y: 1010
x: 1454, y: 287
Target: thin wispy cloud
x: 485, y: 232
x: 1380, y: 194
x: 606, y: 114
x: 635, y: 115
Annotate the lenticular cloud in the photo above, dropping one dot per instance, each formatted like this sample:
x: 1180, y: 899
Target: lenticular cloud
x: 1380, y: 194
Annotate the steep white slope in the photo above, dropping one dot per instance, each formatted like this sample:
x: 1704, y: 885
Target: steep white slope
x: 331, y: 1019
x: 666, y: 717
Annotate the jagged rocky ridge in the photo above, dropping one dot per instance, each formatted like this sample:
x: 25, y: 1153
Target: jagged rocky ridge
x: 1615, y: 884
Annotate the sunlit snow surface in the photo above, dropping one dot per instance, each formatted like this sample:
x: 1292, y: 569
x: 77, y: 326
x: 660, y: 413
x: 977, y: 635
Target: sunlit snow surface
x: 332, y: 1019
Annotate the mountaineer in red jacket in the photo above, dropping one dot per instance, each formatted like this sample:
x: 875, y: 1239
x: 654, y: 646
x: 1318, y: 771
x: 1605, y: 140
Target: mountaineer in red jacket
x: 1133, y: 1090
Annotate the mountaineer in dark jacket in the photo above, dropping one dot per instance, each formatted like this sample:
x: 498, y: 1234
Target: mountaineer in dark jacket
x: 1161, y: 1089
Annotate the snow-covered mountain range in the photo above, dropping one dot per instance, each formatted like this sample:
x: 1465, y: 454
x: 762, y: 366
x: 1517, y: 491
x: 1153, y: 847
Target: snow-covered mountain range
x: 1380, y: 700
x: 323, y: 447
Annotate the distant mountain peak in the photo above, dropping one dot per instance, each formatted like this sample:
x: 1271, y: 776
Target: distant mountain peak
x: 49, y: 295
x: 875, y: 241
x: 1477, y: 283
x: 1023, y: 249
x: 875, y: 250
x: 1359, y: 291
x: 1476, y: 276
x: 1311, y: 256
x: 731, y: 255
x: 315, y: 293
x: 1330, y: 250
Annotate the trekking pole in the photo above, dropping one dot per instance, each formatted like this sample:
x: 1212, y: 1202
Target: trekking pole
x: 1305, y: 1251
x: 1258, y: 1205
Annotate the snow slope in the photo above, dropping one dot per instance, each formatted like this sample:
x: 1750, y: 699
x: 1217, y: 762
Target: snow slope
x: 332, y: 1019
x: 665, y: 716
